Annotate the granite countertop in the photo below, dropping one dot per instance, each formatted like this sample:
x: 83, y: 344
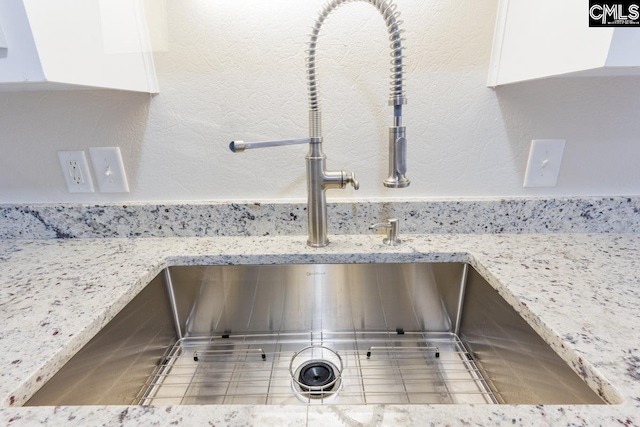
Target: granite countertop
x: 579, y: 291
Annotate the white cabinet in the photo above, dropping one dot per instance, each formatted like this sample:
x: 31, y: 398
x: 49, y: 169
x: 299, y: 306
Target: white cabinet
x: 542, y: 38
x: 58, y: 44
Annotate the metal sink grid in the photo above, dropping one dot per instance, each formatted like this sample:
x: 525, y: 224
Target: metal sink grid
x: 379, y: 367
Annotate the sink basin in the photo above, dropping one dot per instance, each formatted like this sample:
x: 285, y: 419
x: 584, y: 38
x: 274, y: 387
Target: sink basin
x: 413, y: 333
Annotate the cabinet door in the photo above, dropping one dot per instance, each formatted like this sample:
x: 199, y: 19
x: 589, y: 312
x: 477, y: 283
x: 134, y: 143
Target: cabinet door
x: 19, y: 60
x: 88, y: 43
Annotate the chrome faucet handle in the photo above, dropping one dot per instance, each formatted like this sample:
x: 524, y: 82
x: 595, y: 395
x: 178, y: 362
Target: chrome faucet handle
x: 350, y: 178
x: 239, y: 146
x: 392, y: 225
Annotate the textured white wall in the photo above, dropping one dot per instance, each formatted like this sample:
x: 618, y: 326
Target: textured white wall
x: 235, y: 70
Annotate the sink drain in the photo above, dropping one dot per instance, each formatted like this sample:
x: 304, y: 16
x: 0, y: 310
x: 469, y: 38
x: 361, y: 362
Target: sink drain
x: 316, y: 372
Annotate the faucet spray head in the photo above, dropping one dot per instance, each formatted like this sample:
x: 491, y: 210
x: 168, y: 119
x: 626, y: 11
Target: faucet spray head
x: 397, y: 158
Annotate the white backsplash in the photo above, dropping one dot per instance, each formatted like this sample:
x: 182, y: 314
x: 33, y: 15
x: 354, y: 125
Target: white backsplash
x: 236, y: 70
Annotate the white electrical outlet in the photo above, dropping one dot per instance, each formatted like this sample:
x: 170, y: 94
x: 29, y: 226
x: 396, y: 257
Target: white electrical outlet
x: 543, y: 166
x: 109, y: 169
x: 75, y: 169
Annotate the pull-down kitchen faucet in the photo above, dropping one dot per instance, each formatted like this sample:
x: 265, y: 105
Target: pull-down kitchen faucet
x: 318, y: 178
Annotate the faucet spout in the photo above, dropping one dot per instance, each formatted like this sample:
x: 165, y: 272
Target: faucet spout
x: 397, y: 133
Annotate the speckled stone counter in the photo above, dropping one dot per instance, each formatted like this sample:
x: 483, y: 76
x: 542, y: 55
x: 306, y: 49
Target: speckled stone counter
x: 581, y: 292
x: 211, y: 219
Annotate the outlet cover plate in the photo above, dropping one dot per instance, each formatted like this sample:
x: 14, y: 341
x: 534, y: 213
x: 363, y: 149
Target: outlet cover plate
x: 75, y: 169
x: 543, y: 166
x: 109, y: 169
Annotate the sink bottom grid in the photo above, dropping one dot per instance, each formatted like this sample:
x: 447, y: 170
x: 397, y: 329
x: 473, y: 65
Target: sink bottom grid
x: 377, y: 368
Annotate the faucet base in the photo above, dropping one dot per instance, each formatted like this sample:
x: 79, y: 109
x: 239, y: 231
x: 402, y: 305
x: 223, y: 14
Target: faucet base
x: 317, y: 244
x: 396, y: 183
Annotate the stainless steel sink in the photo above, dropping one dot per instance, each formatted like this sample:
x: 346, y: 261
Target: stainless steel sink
x: 317, y: 334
